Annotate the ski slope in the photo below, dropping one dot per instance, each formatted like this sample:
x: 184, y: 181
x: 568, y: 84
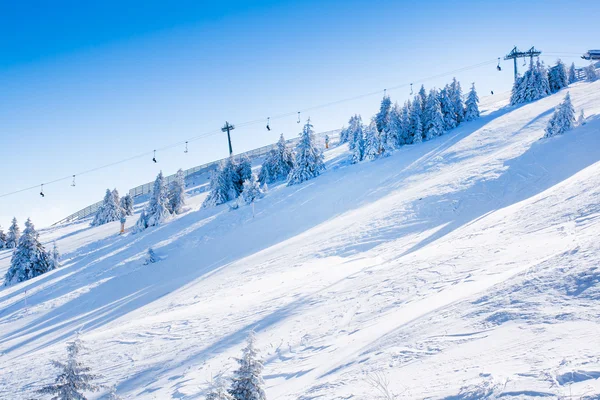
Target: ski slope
x: 464, y: 267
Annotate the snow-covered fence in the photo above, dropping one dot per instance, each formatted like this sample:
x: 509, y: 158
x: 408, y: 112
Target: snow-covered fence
x: 147, y: 187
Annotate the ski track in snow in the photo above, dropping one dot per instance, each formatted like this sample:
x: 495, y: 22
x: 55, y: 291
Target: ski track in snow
x: 464, y: 267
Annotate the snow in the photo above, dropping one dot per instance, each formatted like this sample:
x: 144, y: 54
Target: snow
x: 462, y: 267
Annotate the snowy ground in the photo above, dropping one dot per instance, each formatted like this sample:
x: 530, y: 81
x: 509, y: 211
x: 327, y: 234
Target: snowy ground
x: 465, y: 267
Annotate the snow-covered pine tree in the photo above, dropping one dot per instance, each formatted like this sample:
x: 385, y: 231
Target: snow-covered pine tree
x: 455, y: 94
x: 344, y: 135
x: 433, y: 116
x: 516, y: 94
x: 218, y: 390
x: 590, y: 73
x: 112, y: 394
x: 309, y: 158
x: 471, y: 105
x: 357, y: 150
x: 423, y: 100
x: 447, y: 109
x: 372, y: 142
x: 157, y: 210
x: 242, y: 173
x: 542, y: 78
x: 572, y: 74
x: 563, y: 118
x: 405, y: 135
x: 557, y: 77
x: 116, y: 196
x: 14, y: 233
x: 220, y: 186
x: 581, y: 118
x: 151, y: 257
x: 2, y: 239
x: 30, y: 259
x: 278, y: 163
x: 382, y: 118
x: 108, y: 211
x: 177, y: 193
x: 54, y: 257
x: 127, y: 204
x: 74, y: 379
x: 355, y: 130
x: 252, y: 190
x: 416, y: 128
x: 394, y: 131
x: 532, y: 86
x: 247, y: 382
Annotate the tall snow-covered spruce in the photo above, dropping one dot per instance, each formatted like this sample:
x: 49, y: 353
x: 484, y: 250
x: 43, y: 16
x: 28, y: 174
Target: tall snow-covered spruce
x: 590, y: 73
x: 572, y: 74
x: 109, y: 210
x: 532, y: 86
x: 14, y: 233
x: 433, y: 115
x: 557, y: 77
x: 54, y: 257
x: 157, y: 210
x: 127, y: 204
x: 247, y: 382
x: 74, y: 379
x: 30, y: 259
x: 278, y: 164
x: 472, y: 105
x: 176, y: 194
x: 252, y: 190
x: 563, y: 118
x: 309, y: 157
x: 2, y: 239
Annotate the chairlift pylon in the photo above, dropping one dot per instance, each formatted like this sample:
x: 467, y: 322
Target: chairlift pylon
x: 154, y: 157
x: 268, y: 123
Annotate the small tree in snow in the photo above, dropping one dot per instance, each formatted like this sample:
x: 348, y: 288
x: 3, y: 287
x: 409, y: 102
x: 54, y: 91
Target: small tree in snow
x: 54, y: 257
x: 2, y: 239
x: 151, y: 257
x: 455, y: 94
x: 471, y: 105
x: 563, y: 118
x: 220, y: 186
x: 572, y: 74
x: 433, y: 116
x: 109, y: 210
x: 14, y: 233
x: 382, y: 118
x: 309, y: 158
x: 416, y: 127
x: 355, y: 130
x: 247, y: 382
x: 112, y: 394
x: 557, y: 77
x: 581, y: 119
x: 447, y: 107
x: 252, y: 190
x: 357, y: 148
x: 590, y: 73
x: 218, y: 390
x: 157, y: 210
x: 372, y: 142
x: 74, y: 378
x: 127, y: 204
x: 29, y: 259
x: 177, y: 193
x: 278, y: 164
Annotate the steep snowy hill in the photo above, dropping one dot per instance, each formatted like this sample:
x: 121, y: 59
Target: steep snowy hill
x: 464, y: 267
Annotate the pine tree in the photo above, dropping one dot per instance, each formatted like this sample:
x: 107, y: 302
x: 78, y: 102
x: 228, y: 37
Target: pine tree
x: 151, y: 257
x: 423, y: 100
x: 109, y: 210
x: 54, y: 257
x: 455, y: 95
x: 74, y: 379
x: 309, y: 158
x: 471, y: 105
x: 14, y: 233
x: 563, y: 118
x: 127, y: 204
x: 394, y: 131
x: 532, y: 86
x: 382, y: 118
x: 344, y: 135
x: 434, y: 117
x: 218, y: 391
x: 357, y: 150
x: 29, y: 259
x: 247, y: 382
x: 157, y: 210
x: 355, y: 130
x: 3, y: 239
x: 405, y: 134
x: 416, y: 127
x: 590, y: 73
x: 447, y: 109
x: 242, y: 173
x: 278, y: 163
x: 252, y: 190
x: 372, y: 142
x: 220, y: 186
x: 177, y: 193
x: 557, y: 77
x: 572, y: 74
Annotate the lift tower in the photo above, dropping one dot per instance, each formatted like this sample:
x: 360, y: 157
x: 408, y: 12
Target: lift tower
x: 515, y: 53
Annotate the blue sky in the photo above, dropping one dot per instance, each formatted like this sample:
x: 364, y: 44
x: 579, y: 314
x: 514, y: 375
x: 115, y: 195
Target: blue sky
x: 84, y: 85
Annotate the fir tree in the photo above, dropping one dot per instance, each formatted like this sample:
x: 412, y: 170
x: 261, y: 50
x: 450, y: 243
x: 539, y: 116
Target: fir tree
x: 252, y: 190
x: 563, y: 118
x: 2, y: 239
x: 405, y: 134
x: 54, y: 257
x: 355, y: 130
x: 74, y: 378
x: 14, y: 233
x: 127, y: 204
x: 394, y: 131
x: 29, y: 259
x: 309, y: 158
x: 357, y: 152
x: 471, y: 105
x: 557, y: 77
x: 382, y: 118
x: 423, y: 100
x: 581, y: 119
x: 109, y: 210
x: 247, y: 382
x: 434, y: 117
x: 220, y: 186
x: 278, y: 164
x: 572, y: 74
x: 151, y: 257
x: 218, y: 390
x: 532, y: 86
x: 455, y: 95
x: 590, y: 73
x: 157, y: 210
x: 372, y: 142
x: 416, y: 128
x: 241, y: 174
x: 177, y: 193
x: 447, y: 109
x: 344, y: 135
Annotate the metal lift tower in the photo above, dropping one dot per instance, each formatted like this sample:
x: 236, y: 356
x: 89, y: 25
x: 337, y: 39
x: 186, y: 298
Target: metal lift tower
x: 515, y: 53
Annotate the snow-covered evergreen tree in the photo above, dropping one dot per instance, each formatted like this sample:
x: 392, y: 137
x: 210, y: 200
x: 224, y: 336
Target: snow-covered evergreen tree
x: 220, y: 186
x: 218, y: 390
x: 278, y: 163
x: 252, y: 190
x: 357, y: 148
x: 112, y: 394
x: 177, y: 193
x: 14, y: 233
x: 557, y: 77
x: 572, y: 74
x: 455, y: 94
x: 372, y: 142
x: 157, y: 210
x: 590, y: 73
x: 151, y: 257
x: 127, y: 204
x: 416, y: 127
x: 2, y: 239
x: 355, y: 130
x: 54, y: 257
x: 309, y: 161
x: 447, y: 107
x: 472, y: 105
x: 382, y: 118
x: 563, y: 118
x: 532, y: 86
x: 344, y: 135
x: 242, y: 173
x: 394, y: 131
x: 74, y: 378
x: 116, y: 196
x: 30, y: 259
x: 108, y: 211
x: 247, y: 382
x: 433, y: 116
x: 422, y: 95
x: 581, y: 119
x: 405, y: 136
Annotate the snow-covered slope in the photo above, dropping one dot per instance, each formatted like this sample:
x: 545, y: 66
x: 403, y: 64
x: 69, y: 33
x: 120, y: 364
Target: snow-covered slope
x: 460, y: 268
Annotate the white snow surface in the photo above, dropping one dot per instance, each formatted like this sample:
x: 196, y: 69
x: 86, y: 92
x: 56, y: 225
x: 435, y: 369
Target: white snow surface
x: 465, y: 267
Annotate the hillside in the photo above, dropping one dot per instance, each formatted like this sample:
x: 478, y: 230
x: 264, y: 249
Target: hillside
x: 464, y: 267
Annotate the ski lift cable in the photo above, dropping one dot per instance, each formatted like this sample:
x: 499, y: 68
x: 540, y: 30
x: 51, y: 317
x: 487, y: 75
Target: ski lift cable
x: 247, y: 123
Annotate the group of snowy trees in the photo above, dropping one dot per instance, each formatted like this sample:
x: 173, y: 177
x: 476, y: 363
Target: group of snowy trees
x: 426, y: 117
x: 10, y: 240
x: 30, y: 258
x: 563, y: 118
x: 165, y: 201
x: 113, y: 208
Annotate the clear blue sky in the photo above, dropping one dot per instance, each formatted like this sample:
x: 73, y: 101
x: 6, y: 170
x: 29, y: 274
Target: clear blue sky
x: 87, y: 83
